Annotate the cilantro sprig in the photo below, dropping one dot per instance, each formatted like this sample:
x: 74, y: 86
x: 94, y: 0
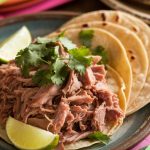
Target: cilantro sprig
x: 85, y: 37
x: 99, y: 136
x: 99, y: 50
x: 79, y: 60
x: 44, y: 57
x: 46, y: 52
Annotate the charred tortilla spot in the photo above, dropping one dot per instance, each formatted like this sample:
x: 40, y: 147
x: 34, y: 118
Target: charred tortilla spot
x: 117, y: 18
x: 103, y: 16
x: 85, y: 25
x: 132, y: 57
x: 130, y: 51
x: 104, y: 24
x: 134, y: 29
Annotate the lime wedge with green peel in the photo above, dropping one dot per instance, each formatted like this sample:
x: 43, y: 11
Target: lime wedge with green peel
x: 13, y: 44
x: 27, y: 137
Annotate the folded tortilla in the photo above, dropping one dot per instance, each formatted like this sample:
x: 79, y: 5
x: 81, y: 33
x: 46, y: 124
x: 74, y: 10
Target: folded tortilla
x: 116, y: 52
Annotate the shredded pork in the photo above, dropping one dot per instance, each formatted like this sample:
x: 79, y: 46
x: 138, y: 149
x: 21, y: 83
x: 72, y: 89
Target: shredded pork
x: 83, y: 105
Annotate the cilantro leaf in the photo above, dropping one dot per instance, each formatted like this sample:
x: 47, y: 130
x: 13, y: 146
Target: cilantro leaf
x: 42, y: 77
x: 100, y: 137
x: 78, y: 60
x: 57, y: 65
x: 53, y: 54
x: 30, y: 57
x: 80, y: 55
x: 25, y: 70
x: 85, y: 37
x: 99, y: 50
x: 43, y: 40
x: 67, y: 43
x: 56, y: 74
x: 61, y: 34
x: 39, y: 49
x: 60, y: 72
x: 76, y: 65
x: 59, y: 78
x: 25, y: 58
x: 80, y: 52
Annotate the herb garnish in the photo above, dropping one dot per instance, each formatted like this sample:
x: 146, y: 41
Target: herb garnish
x: 78, y: 59
x: 99, y: 50
x: 85, y: 37
x: 46, y: 52
x: 51, y: 67
x: 100, y: 137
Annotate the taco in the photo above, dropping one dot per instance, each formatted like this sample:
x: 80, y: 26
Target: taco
x: 98, y: 40
x: 135, y: 50
x: 58, y: 86
x: 135, y: 25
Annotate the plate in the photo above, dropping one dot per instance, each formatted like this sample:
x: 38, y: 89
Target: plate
x: 133, y: 7
x: 135, y: 127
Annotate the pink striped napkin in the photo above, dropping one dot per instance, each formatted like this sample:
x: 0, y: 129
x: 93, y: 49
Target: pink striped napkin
x: 1, y: 17
x: 44, y: 5
x: 144, y: 143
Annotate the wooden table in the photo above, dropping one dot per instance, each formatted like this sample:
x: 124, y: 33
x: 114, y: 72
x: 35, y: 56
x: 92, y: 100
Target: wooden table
x: 83, y: 6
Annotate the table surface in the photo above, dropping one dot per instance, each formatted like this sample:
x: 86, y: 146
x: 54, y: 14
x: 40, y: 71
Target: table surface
x: 83, y: 6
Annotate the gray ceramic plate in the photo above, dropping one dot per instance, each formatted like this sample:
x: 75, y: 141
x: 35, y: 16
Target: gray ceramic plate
x: 135, y: 127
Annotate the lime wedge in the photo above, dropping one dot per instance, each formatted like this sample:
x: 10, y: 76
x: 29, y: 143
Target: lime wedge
x: 27, y: 137
x: 13, y: 44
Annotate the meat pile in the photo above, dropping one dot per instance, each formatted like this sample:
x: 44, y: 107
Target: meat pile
x: 82, y: 105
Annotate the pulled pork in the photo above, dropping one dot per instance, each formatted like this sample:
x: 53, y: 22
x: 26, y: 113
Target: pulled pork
x: 83, y: 105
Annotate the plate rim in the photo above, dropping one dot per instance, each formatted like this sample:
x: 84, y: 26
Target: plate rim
x: 142, y: 132
x: 41, y: 15
x: 137, y: 136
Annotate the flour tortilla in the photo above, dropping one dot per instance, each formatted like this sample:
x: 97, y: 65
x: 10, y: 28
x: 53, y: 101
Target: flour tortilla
x: 134, y: 48
x: 116, y: 85
x: 138, y: 27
